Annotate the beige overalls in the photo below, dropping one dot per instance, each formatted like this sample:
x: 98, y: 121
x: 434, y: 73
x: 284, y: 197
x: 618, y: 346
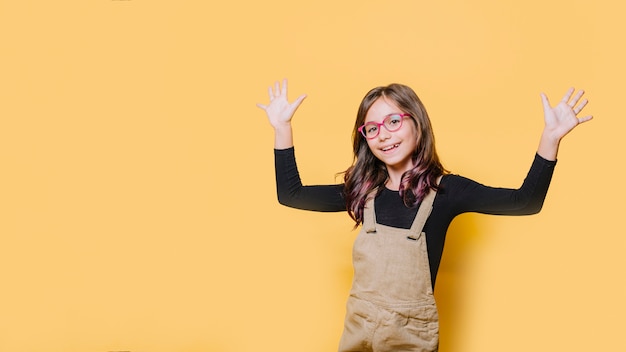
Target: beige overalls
x: 391, y: 305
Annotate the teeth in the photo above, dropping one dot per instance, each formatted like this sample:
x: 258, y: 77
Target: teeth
x: 390, y: 147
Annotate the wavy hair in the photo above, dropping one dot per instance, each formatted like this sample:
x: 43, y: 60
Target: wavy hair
x: 368, y: 173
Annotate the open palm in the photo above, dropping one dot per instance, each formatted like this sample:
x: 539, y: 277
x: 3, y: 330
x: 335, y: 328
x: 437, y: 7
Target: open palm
x: 279, y: 111
x: 562, y: 118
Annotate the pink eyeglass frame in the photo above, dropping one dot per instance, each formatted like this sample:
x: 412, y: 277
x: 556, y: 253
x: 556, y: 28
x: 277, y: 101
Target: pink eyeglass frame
x: 382, y: 124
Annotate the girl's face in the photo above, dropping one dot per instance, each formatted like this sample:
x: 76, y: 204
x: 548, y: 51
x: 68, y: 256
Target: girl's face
x: 392, y: 148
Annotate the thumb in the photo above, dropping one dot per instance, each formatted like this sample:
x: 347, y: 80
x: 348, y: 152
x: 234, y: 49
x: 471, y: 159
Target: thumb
x: 546, y: 103
x: 298, y: 101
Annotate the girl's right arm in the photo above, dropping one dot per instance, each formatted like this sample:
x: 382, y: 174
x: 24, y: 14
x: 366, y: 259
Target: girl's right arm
x: 293, y: 194
x: 289, y: 187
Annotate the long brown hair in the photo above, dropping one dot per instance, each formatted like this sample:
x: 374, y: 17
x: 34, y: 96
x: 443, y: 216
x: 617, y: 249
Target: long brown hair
x: 368, y: 172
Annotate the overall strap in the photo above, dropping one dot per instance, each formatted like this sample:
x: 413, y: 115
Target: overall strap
x: 369, y: 218
x: 424, y: 210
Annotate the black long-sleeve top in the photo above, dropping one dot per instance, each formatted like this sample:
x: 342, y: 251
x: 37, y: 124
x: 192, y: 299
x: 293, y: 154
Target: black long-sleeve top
x: 456, y: 195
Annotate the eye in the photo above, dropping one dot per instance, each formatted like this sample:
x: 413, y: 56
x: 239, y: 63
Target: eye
x: 371, y: 129
x: 394, y: 120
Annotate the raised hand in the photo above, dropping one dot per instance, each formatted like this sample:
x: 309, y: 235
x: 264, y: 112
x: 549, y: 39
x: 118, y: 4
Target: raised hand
x: 560, y: 120
x: 279, y: 111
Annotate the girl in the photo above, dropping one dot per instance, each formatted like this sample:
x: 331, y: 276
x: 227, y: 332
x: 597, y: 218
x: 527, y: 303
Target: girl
x: 404, y: 200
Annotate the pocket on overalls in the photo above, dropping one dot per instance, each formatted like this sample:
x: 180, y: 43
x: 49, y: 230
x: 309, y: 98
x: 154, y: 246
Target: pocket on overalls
x: 424, y: 322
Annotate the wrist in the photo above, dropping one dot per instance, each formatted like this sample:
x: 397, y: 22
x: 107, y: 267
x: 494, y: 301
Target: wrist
x: 551, y: 137
x: 283, y: 136
x: 548, y: 146
x: 282, y: 126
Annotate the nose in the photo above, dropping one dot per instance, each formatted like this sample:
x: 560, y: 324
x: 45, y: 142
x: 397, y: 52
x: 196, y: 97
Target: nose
x: 383, y: 134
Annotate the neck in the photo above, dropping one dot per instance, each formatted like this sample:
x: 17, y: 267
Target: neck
x: 393, y: 181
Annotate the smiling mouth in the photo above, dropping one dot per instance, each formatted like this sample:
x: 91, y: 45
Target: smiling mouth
x: 391, y: 147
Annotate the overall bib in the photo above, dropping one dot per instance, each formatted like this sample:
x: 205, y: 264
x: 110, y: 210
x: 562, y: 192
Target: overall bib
x: 391, y: 305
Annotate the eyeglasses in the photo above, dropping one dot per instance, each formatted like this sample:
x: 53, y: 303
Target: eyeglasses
x: 392, y: 123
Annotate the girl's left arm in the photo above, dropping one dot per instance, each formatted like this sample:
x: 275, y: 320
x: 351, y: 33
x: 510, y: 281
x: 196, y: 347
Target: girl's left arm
x: 469, y: 196
x: 559, y: 121
x: 464, y: 195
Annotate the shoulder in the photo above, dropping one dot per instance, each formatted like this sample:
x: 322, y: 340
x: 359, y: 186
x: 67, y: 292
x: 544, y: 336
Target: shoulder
x: 453, y: 184
x: 452, y: 180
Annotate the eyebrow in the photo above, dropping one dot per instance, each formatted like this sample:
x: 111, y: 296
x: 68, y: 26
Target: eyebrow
x: 386, y: 116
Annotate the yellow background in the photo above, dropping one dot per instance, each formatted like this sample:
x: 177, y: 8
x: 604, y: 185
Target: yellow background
x: 137, y: 198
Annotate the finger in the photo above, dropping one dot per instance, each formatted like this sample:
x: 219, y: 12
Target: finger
x: 271, y: 94
x: 567, y: 95
x: 284, y: 90
x: 264, y: 107
x: 276, y: 89
x: 585, y: 119
x: 580, y: 106
x: 546, y: 102
x: 298, y: 101
x: 577, y: 98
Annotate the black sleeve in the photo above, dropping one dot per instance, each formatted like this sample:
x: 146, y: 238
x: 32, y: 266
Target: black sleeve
x: 293, y: 194
x: 466, y: 195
